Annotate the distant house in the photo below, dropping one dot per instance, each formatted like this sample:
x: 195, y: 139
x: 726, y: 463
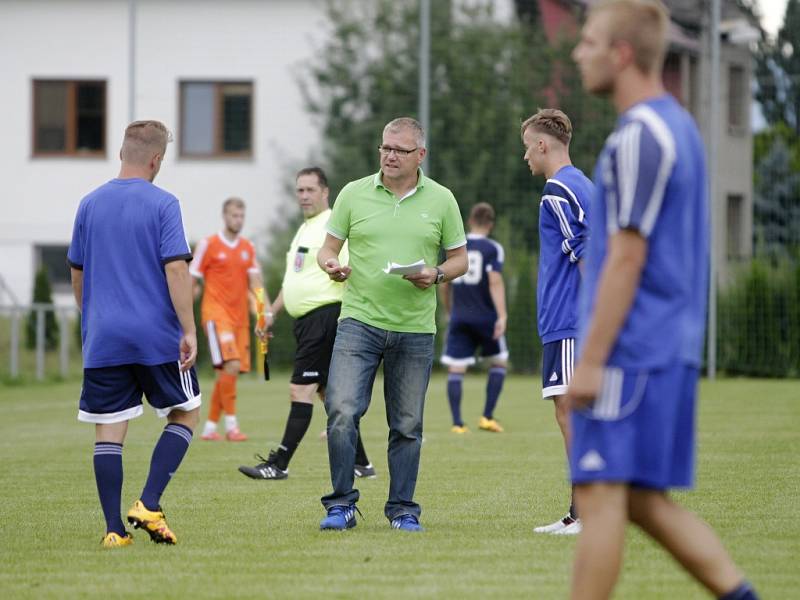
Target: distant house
x: 686, y: 76
x: 221, y: 75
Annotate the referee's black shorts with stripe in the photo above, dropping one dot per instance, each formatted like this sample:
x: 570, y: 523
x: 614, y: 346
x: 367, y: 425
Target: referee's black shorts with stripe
x: 315, y: 333
x: 114, y: 394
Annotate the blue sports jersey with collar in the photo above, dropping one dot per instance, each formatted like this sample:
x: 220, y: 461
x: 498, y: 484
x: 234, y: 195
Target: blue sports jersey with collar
x: 563, y: 236
x: 472, y: 301
x: 651, y: 178
x: 125, y: 232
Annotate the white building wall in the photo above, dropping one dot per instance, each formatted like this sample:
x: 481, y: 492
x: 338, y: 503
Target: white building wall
x: 264, y: 42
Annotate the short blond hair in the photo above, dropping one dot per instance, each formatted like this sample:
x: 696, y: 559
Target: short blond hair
x: 550, y: 121
x: 234, y: 202
x: 644, y: 24
x: 143, y: 139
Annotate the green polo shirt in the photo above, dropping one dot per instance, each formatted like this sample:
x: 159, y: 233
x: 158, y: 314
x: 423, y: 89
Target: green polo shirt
x: 381, y: 228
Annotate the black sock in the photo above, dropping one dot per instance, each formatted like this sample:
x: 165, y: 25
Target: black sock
x: 573, y: 512
x: 361, y: 454
x: 296, y: 427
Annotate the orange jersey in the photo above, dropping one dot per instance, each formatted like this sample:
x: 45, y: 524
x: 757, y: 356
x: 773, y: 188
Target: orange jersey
x: 225, y: 266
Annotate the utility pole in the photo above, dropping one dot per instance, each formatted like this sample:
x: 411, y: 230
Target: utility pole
x: 424, y: 109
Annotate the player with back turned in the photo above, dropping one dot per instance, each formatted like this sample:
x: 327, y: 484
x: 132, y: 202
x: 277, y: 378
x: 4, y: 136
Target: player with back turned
x: 643, y: 309
x: 128, y: 259
x: 476, y: 304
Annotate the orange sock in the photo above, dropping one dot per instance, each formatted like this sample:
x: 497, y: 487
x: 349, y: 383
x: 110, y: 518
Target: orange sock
x: 216, y: 403
x: 227, y: 392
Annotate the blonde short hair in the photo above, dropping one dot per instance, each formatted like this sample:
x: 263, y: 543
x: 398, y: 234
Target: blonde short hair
x: 234, y: 202
x: 143, y: 139
x: 550, y: 121
x: 644, y: 24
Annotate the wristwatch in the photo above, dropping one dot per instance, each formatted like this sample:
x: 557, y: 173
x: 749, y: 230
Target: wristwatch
x: 439, y: 275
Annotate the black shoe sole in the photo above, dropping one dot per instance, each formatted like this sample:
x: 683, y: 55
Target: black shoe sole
x: 154, y: 535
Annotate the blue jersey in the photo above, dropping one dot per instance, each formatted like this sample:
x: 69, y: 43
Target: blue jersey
x: 651, y: 178
x: 125, y: 232
x: 472, y: 301
x: 563, y: 235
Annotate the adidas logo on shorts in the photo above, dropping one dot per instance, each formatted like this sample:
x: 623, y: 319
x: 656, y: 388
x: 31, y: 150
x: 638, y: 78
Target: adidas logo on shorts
x: 554, y: 376
x: 592, y: 461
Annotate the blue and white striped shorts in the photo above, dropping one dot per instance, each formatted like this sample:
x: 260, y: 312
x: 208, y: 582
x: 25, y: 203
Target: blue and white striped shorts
x: 114, y: 394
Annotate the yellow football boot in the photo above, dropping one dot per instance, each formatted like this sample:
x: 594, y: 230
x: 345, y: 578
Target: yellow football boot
x: 490, y: 425
x: 152, y: 522
x: 115, y: 540
x: 459, y: 429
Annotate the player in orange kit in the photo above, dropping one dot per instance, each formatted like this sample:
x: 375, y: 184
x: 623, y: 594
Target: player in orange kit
x: 227, y: 264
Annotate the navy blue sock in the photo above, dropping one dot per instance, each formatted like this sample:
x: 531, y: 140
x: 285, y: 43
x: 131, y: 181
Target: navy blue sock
x: 167, y: 456
x: 454, y: 396
x: 744, y: 591
x: 494, y: 385
x: 108, y: 475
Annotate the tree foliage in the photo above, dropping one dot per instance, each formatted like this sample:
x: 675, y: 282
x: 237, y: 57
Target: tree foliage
x: 778, y: 72
x: 487, y: 76
x: 776, y: 198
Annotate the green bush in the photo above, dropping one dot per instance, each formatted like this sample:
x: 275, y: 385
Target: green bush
x: 758, y: 330
x: 43, y: 294
x: 524, y: 347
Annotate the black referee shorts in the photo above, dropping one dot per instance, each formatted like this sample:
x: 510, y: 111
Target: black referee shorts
x: 315, y: 333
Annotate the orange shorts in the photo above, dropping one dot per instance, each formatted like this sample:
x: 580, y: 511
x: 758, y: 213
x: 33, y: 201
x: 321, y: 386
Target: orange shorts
x: 226, y: 342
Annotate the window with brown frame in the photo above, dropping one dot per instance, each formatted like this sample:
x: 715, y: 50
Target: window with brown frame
x: 53, y: 257
x: 735, y: 218
x: 69, y: 118
x: 736, y: 99
x: 216, y: 119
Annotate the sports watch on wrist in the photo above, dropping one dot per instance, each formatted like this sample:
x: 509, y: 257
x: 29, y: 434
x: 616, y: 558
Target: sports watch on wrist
x: 439, y: 275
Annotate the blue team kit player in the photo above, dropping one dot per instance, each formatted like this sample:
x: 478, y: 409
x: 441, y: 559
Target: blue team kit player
x: 476, y: 305
x: 563, y: 235
x: 642, y: 312
x: 130, y: 275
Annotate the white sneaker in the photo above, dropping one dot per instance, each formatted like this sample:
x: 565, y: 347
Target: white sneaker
x: 559, y: 527
x: 573, y: 528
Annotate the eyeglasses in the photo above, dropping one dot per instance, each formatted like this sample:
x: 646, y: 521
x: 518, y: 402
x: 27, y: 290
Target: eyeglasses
x: 399, y: 152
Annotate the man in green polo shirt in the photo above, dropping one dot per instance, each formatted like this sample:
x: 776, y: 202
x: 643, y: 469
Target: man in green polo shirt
x: 395, y: 216
x: 314, y: 301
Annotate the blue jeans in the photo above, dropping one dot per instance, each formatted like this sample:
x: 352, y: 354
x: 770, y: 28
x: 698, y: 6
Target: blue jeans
x: 407, y: 360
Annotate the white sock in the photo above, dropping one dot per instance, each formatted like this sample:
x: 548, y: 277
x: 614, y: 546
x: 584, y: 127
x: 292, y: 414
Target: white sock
x: 209, y: 428
x: 230, y: 422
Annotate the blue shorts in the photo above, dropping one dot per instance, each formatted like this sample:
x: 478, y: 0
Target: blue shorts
x: 464, y: 338
x: 114, y: 394
x: 640, y: 430
x: 558, y: 361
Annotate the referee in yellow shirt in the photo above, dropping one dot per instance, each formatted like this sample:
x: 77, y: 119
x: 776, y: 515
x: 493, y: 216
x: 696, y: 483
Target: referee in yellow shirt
x: 308, y: 295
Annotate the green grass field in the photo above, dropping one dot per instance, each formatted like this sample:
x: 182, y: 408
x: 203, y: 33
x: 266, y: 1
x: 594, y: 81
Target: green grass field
x: 481, y: 494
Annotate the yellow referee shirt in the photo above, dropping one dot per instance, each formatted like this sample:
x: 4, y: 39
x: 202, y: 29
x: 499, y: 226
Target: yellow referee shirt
x: 305, y: 285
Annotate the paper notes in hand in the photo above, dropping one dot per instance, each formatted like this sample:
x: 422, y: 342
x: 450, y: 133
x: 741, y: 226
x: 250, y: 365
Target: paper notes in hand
x: 393, y: 268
